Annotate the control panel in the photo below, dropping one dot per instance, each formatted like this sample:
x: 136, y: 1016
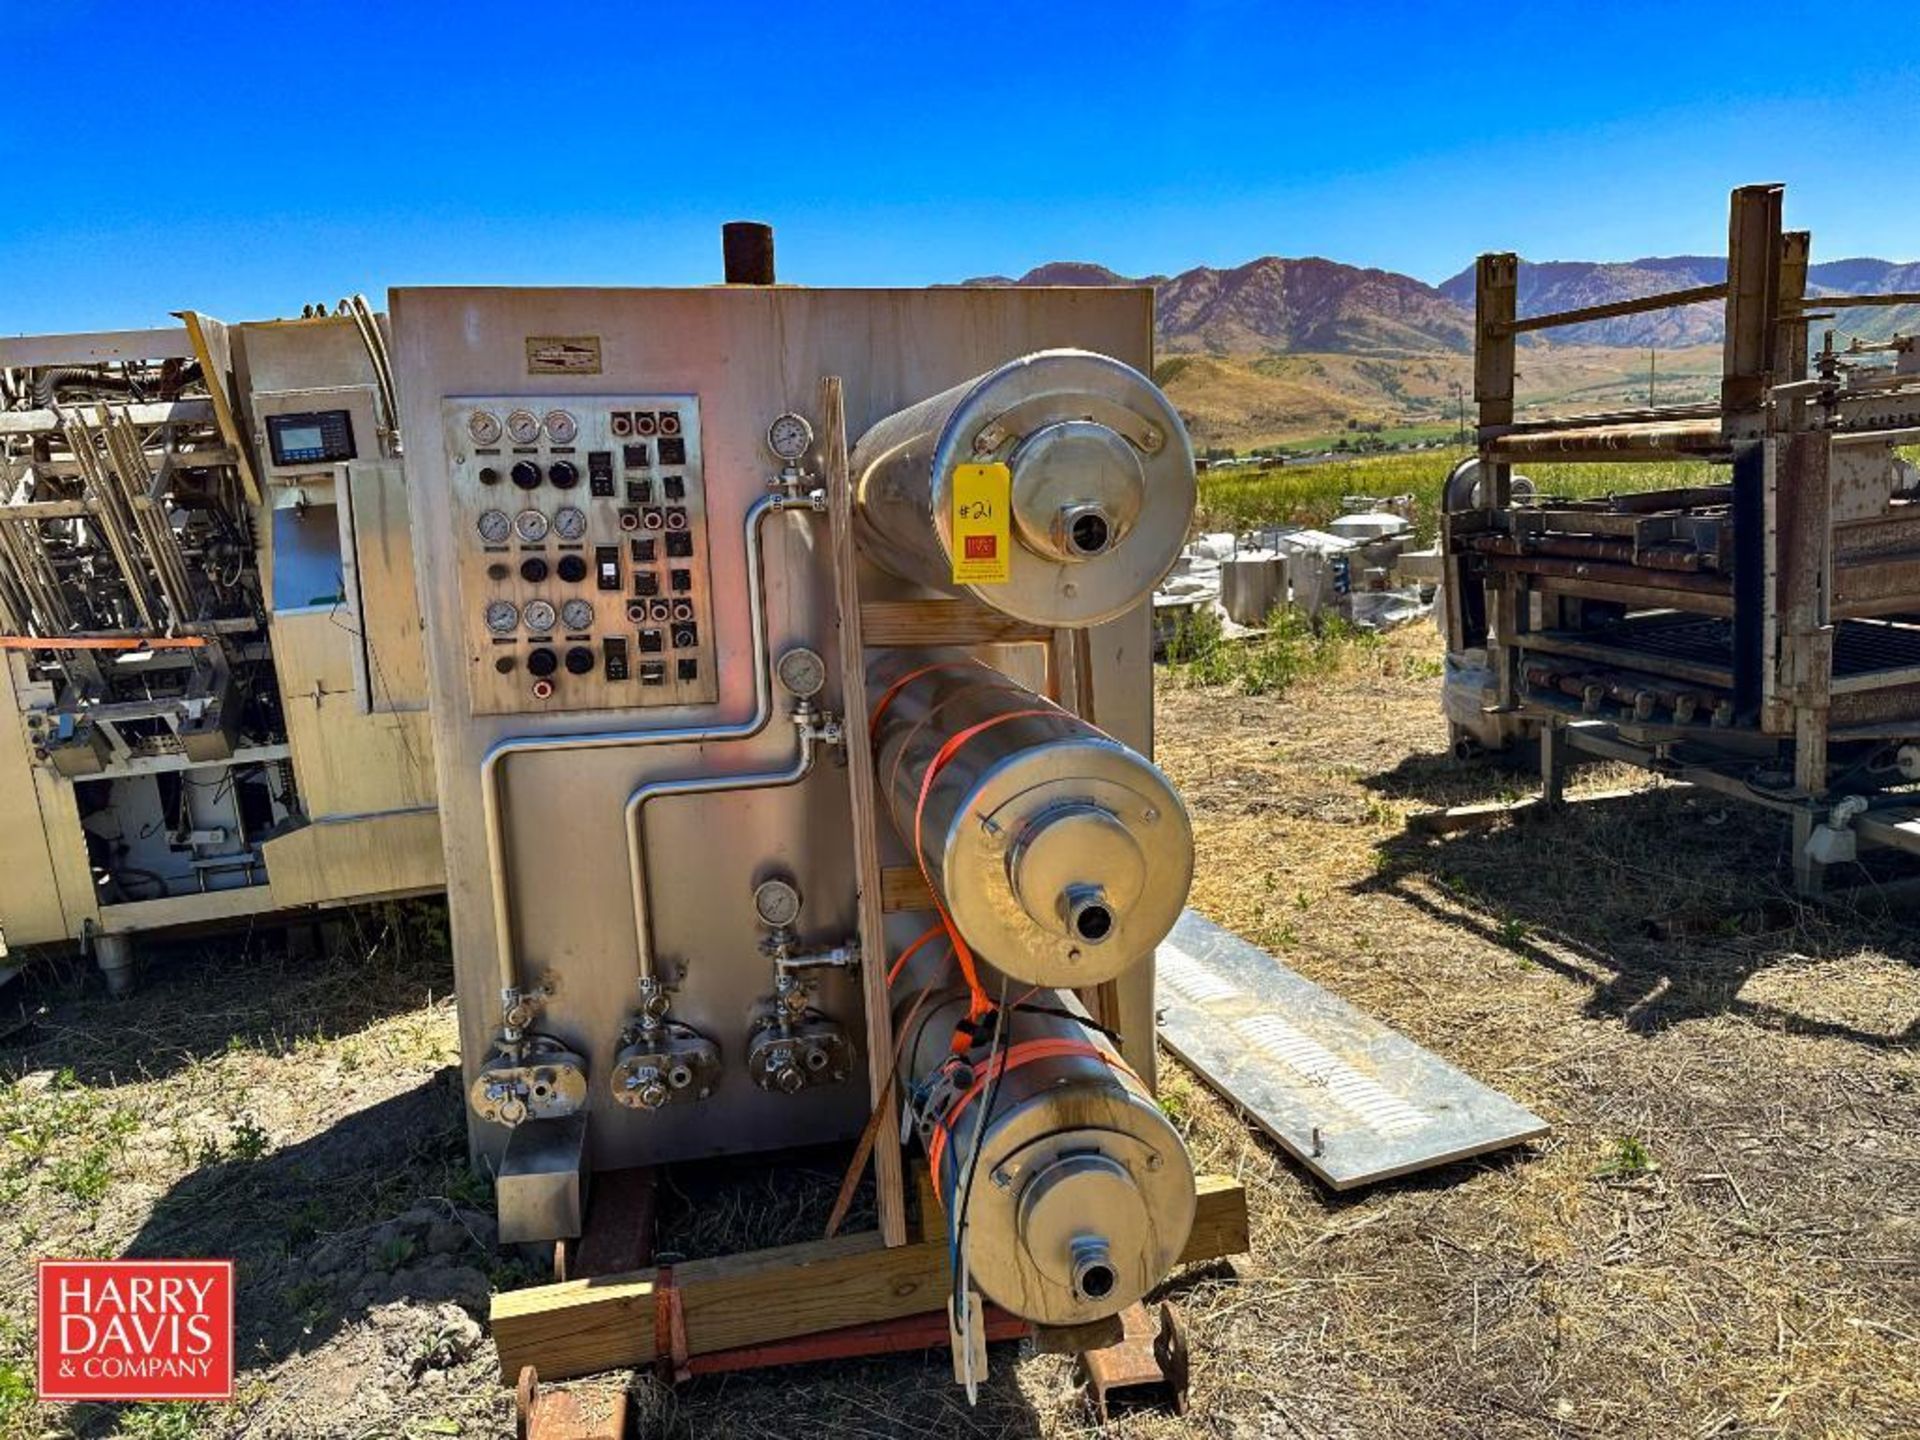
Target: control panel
x: 311, y: 437
x: 583, y: 551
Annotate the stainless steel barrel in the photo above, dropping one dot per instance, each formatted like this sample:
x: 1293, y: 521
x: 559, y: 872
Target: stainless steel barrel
x: 1102, y: 484
x: 1062, y: 856
x: 1082, y: 1196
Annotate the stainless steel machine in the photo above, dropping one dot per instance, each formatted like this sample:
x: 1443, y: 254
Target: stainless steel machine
x: 680, y: 612
x: 212, y: 702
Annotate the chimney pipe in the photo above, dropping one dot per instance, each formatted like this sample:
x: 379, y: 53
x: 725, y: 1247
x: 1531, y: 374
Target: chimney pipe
x: 748, y: 248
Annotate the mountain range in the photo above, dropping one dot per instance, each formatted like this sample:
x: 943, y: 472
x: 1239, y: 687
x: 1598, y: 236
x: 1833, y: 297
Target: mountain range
x: 1274, y: 306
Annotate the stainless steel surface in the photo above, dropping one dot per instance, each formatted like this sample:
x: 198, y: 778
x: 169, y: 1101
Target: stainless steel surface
x: 597, y: 494
x: 1348, y: 1098
x: 1062, y: 856
x: 1082, y: 1194
x: 542, y: 1185
x: 1102, y: 484
x: 536, y: 849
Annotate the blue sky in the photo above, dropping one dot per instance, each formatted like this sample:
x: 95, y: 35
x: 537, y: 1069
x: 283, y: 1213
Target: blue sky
x: 242, y: 159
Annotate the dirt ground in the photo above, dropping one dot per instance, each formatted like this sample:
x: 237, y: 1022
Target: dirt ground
x: 1721, y: 1236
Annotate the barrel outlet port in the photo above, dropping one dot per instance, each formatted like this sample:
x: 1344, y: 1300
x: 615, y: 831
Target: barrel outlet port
x: 669, y: 422
x: 622, y: 423
x: 1085, y: 531
x: 1094, y: 1277
x: 676, y: 519
x: 646, y: 423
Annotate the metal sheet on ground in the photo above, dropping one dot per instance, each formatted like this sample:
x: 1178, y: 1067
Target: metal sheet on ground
x: 1352, y: 1100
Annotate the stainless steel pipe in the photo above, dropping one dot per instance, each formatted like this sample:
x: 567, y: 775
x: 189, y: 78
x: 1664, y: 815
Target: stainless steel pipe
x: 1062, y: 856
x: 1101, y: 484
x: 1081, y: 1196
x: 496, y: 758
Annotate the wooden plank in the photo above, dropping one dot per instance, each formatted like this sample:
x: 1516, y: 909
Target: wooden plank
x: 579, y: 1327
x: 909, y: 623
x: 890, y: 1192
x: 902, y: 887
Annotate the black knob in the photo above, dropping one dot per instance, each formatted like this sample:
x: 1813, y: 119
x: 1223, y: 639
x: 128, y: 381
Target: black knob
x: 526, y: 474
x: 563, y: 474
x: 489, y: 476
x: 542, y: 663
x: 580, y: 660
x: 573, y: 569
x: 533, y: 570
x: 504, y: 664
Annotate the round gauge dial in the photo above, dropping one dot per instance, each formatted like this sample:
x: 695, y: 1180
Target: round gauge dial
x: 802, y: 672
x: 523, y: 427
x: 531, y: 526
x: 495, y: 526
x: 777, y: 902
x: 502, y: 616
x: 577, y: 615
x: 790, y: 437
x: 539, y: 617
x: 561, y: 427
x: 484, y: 427
x: 569, y: 522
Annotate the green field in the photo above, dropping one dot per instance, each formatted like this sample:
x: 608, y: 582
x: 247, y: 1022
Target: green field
x: 1246, y: 499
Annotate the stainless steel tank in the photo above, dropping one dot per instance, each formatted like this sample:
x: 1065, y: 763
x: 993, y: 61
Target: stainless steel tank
x: 1081, y: 1197
x: 1062, y: 856
x: 1102, y: 484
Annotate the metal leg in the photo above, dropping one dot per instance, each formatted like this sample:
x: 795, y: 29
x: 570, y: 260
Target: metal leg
x: 1553, y: 763
x: 114, y: 955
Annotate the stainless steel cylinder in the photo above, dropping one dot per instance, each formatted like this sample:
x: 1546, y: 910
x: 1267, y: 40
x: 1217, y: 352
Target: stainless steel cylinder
x: 1082, y: 1195
x: 1102, y: 484
x: 1062, y: 856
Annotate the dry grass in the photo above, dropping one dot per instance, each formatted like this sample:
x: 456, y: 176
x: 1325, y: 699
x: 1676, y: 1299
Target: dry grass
x: 1721, y: 1237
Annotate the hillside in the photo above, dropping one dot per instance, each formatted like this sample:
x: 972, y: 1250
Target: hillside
x: 1569, y: 284
x: 1276, y: 306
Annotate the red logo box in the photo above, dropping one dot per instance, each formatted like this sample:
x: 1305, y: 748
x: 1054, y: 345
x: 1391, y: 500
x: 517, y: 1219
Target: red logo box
x: 981, y: 547
x: 136, y: 1330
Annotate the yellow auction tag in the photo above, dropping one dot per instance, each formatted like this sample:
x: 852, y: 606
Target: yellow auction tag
x: 982, y: 529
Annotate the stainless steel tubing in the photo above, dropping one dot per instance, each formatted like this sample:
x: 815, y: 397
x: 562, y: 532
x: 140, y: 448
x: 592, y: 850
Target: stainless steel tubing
x: 810, y: 737
x: 1082, y: 1195
x: 1062, y: 856
x: 1101, y: 473
x: 496, y: 758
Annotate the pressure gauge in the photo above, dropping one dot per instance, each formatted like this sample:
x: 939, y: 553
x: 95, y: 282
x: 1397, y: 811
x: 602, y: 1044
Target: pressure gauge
x: 569, y: 522
x: 530, y: 526
x: 484, y: 427
x: 495, y: 526
x: 523, y: 427
x: 561, y: 427
x: 577, y: 615
x: 502, y: 616
x: 790, y: 436
x: 539, y: 617
x: 777, y: 902
x: 802, y: 672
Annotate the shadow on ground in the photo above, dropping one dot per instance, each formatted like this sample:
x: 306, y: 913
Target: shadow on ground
x: 1665, y: 904
x: 211, y: 995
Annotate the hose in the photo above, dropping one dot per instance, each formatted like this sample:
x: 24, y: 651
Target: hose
x: 48, y: 382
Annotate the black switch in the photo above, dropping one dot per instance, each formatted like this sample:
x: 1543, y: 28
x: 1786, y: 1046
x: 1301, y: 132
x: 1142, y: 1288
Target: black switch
x: 614, y: 651
x: 639, y: 492
x: 645, y: 582
x: 579, y: 660
x: 563, y: 474
x: 653, y: 672
x: 689, y: 669
x: 650, y: 642
x: 673, y: 452
x: 686, y: 637
x: 641, y: 551
x: 533, y: 569
x: 636, y: 456
x: 682, y: 581
x: 674, y: 487
x: 680, y: 544
x: 600, y: 472
x: 573, y: 569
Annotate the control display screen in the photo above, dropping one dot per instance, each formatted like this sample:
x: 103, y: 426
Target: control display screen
x: 315, y: 437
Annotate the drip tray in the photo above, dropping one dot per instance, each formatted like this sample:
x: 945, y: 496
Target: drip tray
x: 1350, y: 1099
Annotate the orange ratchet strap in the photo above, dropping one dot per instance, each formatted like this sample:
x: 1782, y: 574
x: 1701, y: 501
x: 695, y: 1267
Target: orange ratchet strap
x: 979, y: 1004
x: 1025, y: 1053
x: 669, y: 1327
x: 886, y: 698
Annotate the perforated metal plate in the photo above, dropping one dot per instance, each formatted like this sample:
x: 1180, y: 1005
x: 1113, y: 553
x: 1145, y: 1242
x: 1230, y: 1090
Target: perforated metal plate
x: 1352, y: 1100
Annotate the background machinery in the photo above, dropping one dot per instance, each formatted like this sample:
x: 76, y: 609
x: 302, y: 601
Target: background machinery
x: 1756, y: 632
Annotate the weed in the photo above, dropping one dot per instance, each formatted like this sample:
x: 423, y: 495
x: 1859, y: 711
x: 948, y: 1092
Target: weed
x: 468, y: 1188
x: 88, y: 1176
x: 168, y: 1421
x: 250, y: 1140
x: 1630, y: 1158
x: 16, y: 1398
x: 1293, y: 646
x: 395, y: 1252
